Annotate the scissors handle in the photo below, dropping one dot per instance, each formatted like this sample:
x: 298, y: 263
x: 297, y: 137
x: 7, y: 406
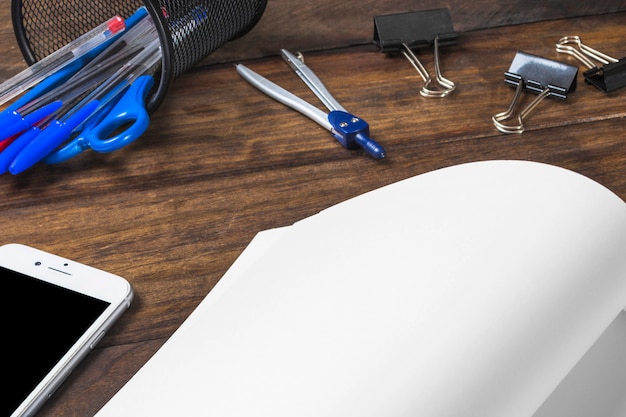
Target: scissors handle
x: 130, y: 109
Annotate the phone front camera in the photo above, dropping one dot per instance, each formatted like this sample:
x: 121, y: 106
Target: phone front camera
x: 37, y: 263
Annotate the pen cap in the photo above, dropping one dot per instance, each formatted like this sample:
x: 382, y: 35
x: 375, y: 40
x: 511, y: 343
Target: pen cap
x: 189, y: 30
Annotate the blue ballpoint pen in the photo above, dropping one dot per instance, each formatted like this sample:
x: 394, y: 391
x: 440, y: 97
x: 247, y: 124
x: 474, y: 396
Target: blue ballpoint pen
x: 349, y: 130
x: 41, y: 140
x: 13, y: 123
x: 24, y: 112
x: 42, y: 104
x: 10, y: 152
x: 49, y: 138
x: 18, y: 117
x: 37, y: 72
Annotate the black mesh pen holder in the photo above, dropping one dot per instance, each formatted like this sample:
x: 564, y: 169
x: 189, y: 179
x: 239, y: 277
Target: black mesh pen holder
x: 189, y: 30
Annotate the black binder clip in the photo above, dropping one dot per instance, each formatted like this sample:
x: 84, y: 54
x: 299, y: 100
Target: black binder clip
x: 539, y: 75
x: 406, y: 32
x: 609, y: 77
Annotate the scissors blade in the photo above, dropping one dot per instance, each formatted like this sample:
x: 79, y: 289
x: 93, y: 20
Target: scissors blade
x: 280, y: 94
x: 311, y: 80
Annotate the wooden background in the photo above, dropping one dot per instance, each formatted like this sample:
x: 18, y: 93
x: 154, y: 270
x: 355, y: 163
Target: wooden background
x: 221, y: 161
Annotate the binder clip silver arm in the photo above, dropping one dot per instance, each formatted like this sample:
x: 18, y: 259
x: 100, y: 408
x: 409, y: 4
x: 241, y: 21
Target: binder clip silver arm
x: 542, y: 76
x: 406, y: 32
x: 349, y: 130
x: 584, y: 52
x: 505, y: 115
x: 445, y: 86
x: 608, y: 77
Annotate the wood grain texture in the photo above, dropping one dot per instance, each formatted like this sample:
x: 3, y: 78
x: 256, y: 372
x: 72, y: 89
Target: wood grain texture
x: 324, y: 24
x: 222, y: 161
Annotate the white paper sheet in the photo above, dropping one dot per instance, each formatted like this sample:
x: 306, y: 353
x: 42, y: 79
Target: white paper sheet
x: 597, y: 384
x: 469, y: 291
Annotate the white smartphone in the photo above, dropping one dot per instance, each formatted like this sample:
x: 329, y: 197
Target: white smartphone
x: 54, y: 312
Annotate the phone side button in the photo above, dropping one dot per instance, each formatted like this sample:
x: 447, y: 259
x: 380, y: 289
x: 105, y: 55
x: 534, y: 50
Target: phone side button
x: 96, y: 340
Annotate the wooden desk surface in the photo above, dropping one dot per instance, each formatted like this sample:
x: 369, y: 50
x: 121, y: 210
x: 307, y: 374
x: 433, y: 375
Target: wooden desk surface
x: 221, y: 161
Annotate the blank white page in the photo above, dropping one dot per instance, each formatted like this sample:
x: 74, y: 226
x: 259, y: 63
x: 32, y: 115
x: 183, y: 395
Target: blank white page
x: 468, y: 291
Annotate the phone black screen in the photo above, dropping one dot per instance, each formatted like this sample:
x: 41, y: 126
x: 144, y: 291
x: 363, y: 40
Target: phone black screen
x: 40, y: 323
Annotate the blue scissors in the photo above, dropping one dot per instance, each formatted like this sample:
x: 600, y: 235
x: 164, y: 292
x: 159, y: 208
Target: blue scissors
x: 120, y: 101
x: 98, y: 122
x: 129, y: 111
x: 27, y: 139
